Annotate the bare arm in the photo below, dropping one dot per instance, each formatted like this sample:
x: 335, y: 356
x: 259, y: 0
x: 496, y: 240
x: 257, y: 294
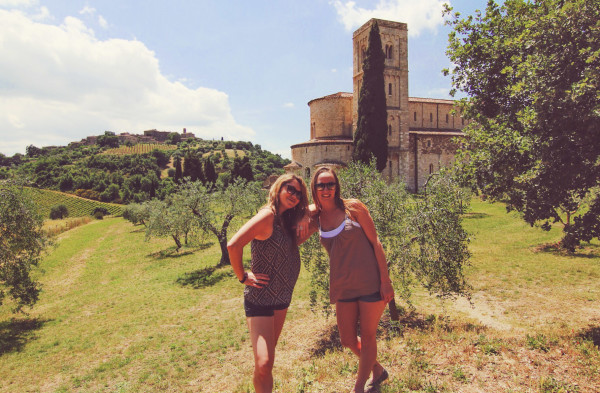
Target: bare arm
x: 363, y: 217
x: 309, y: 225
x: 259, y: 227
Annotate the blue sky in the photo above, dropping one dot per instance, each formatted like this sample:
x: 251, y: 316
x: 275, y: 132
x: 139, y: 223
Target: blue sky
x: 237, y: 69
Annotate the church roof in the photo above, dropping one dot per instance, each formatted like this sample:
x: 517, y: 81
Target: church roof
x: 333, y: 96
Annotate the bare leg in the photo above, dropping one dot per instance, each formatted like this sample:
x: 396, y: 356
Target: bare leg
x: 369, y: 315
x: 348, y: 314
x: 264, y: 333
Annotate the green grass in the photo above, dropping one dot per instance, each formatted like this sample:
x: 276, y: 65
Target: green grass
x: 78, y: 207
x: 118, y: 314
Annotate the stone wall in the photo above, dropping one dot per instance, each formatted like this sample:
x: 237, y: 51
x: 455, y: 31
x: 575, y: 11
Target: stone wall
x: 313, y: 153
x: 331, y: 117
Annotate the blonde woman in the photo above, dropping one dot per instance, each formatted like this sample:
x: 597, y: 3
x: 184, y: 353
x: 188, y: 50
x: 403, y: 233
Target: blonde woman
x: 275, y: 266
x: 359, y: 285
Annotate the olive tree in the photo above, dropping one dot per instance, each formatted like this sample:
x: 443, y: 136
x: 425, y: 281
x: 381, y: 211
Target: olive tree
x: 214, y: 211
x: 21, y: 244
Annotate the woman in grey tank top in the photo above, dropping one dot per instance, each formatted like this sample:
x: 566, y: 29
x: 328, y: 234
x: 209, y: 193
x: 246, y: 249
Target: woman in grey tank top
x: 359, y: 284
x: 275, y: 265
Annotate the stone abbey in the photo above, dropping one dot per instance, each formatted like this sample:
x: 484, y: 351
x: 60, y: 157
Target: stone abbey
x: 421, y: 131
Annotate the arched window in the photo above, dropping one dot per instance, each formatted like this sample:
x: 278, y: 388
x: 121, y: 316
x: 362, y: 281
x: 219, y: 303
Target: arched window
x: 389, y: 89
x: 389, y: 129
x: 415, y: 116
x: 446, y: 118
x: 430, y: 169
x: 389, y: 52
x: 431, y: 117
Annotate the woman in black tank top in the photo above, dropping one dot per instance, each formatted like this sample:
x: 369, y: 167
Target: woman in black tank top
x: 275, y: 265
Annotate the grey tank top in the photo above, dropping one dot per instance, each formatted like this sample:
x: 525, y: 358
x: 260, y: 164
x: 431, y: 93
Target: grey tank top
x: 353, y: 269
x: 279, y: 257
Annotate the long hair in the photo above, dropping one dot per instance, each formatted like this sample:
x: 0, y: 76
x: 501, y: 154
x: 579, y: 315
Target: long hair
x: 313, y: 188
x: 290, y: 217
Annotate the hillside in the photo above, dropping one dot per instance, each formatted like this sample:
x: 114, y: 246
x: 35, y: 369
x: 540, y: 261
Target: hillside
x: 118, y: 314
x: 77, y: 206
x: 133, y: 173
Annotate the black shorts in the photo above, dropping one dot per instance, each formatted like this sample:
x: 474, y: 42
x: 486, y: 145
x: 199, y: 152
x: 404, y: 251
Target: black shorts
x: 372, y: 298
x: 253, y: 310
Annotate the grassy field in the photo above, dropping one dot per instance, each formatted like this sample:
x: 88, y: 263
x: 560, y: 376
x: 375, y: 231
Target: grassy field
x: 118, y: 314
x: 78, y: 207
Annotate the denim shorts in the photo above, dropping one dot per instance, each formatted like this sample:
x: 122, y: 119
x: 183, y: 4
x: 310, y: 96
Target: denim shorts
x: 372, y: 298
x: 253, y: 310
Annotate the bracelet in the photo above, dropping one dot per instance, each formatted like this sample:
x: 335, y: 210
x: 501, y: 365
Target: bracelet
x: 243, y: 280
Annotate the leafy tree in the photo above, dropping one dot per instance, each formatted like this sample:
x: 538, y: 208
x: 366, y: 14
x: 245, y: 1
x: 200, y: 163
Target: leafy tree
x: 193, y: 166
x: 422, y: 236
x: 370, y: 138
x: 532, y: 72
x: 109, y: 139
x: 173, y: 138
x: 33, y: 151
x: 21, y: 244
x: 242, y: 168
x: 137, y: 213
x: 209, y: 171
x: 59, y: 212
x: 214, y: 211
x: 169, y: 218
x: 162, y: 158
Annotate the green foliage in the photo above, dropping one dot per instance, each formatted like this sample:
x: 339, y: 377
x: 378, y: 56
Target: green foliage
x: 21, y: 244
x: 137, y: 213
x: 109, y: 139
x: 370, y: 138
x: 531, y: 70
x: 423, y: 237
x: 59, y: 212
x: 238, y: 198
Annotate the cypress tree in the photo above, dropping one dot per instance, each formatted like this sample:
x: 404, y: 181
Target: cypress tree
x: 209, y: 171
x: 370, y: 138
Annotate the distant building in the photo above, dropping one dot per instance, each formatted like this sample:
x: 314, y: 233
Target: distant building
x: 420, y: 130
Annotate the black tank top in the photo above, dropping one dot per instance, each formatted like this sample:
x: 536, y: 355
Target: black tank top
x: 279, y: 258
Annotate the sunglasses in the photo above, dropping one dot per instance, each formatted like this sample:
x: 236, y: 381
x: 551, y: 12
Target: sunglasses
x: 329, y: 186
x: 293, y: 191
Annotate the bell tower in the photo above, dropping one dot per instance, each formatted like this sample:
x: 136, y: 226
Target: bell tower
x: 394, y: 42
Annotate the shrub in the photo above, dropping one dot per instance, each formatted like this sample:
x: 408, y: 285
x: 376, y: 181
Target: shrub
x: 58, y: 212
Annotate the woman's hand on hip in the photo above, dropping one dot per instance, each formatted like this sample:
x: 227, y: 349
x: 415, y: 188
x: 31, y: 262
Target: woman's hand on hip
x: 257, y: 280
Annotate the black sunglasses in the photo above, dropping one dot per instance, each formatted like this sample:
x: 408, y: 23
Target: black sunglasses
x: 293, y: 191
x: 329, y: 186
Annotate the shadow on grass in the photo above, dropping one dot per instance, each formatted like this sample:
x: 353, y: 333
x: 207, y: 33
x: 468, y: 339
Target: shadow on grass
x: 202, y: 278
x: 589, y: 251
x: 476, y: 215
x: 591, y: 333
x: 15, y: 333
x: 328, y: 341
x: 172, y: 252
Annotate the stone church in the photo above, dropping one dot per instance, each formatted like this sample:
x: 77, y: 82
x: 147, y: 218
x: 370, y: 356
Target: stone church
x: 421, y: 131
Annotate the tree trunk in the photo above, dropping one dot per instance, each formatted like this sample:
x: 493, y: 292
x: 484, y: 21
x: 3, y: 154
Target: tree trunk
x: 224, y: 253
x: 177, y: 242
x: 394, y: 315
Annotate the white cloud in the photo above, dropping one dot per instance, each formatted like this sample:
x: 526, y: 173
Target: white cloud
x: 288, y: 105
x: 419, y: 15
x: 59, y: 84
x: 88, y: 10
x: 102, y: 22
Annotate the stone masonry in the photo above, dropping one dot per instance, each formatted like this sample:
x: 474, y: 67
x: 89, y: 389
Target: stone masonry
x: 421, y: 131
